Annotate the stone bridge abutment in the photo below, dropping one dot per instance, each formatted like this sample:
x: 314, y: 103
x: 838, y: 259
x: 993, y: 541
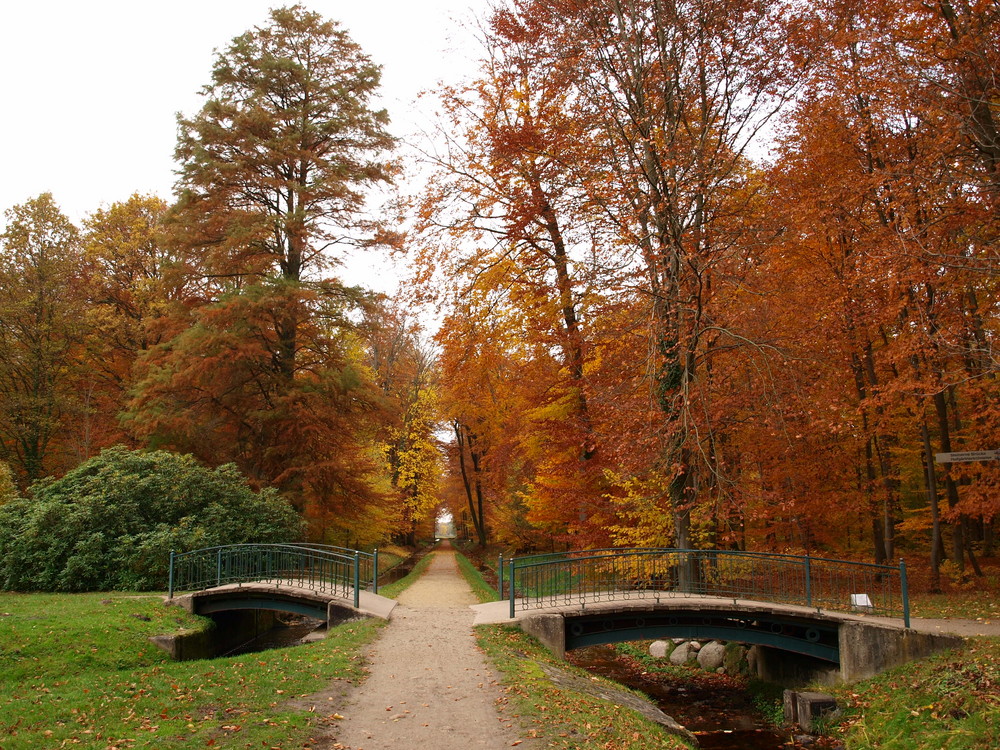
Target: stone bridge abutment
x: 798, y: 646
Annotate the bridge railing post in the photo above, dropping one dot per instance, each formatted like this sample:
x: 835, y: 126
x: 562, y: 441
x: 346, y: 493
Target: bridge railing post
x: 904, y: 593
x: 357, y: 579
x: 218, y: 567
x: 500, y: 575
x: 170, y: 577
x: 808, y: 573
x: 375, y: 571
x: 510, y: 586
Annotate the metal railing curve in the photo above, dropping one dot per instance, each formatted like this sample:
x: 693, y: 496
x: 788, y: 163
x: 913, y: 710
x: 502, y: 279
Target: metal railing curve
x: 318, y: 567
x: 616, y: 574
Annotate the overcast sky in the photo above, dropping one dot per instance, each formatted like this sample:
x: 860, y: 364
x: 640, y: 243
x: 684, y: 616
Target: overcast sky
x: 91, y: 87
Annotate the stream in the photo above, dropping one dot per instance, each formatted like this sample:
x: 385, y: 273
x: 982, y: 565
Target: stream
x: 292, y: 633
x: 717, y: 708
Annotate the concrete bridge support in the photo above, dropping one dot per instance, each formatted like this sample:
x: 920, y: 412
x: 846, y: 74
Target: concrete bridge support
x: 865, y: 649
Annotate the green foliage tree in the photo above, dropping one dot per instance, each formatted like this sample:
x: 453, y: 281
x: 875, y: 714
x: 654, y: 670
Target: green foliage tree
x: 110, y: 523
x: 40, y: 331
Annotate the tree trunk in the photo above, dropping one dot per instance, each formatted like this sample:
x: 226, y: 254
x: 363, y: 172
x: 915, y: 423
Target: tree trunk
x: 932, y: 498
x: 473, y: 488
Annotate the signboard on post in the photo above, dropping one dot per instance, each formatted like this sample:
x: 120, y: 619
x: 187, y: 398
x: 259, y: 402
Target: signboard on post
x: 966, y: 457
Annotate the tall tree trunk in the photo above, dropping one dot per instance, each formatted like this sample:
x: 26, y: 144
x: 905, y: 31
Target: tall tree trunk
x: 961, y: 544
x: 932, y: 498
x: 473, y: 488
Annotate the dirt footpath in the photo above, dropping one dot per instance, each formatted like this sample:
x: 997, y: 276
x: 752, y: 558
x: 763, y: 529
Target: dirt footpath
x: 428, y: 684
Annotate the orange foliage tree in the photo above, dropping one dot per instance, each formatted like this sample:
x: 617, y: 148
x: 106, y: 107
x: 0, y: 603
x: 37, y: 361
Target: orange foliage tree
x: 268, y: 371
x: 770, y: 354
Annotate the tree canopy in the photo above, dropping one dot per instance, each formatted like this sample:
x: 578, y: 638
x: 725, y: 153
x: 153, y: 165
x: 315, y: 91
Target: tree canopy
x: 709, y: 273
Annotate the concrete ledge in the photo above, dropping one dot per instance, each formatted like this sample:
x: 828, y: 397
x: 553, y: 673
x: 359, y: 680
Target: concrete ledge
x: 550, y: 630
x: 867, y: 649
x: 369, y: 603
x: 187, y: 645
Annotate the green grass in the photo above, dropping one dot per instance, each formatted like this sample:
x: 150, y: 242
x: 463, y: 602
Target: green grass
x: 981, y: 605
x: 561, y: 717
x: 950, y: 701
x: 78, y: 670
x: 392, y: 590
x: 483, y: 591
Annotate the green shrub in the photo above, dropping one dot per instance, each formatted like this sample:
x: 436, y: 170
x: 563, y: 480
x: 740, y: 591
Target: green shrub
x: 110, y: 523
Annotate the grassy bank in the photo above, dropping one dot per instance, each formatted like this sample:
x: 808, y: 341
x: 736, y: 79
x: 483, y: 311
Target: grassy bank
x: 559, y: 716
x: 948, y: 701
x: 78, y: 669
x: 483, y: 591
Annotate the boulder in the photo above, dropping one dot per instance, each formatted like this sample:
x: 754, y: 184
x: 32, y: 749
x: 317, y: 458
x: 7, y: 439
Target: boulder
x: 682, y: 654
x: 659, y: 649
x: 711, y: 655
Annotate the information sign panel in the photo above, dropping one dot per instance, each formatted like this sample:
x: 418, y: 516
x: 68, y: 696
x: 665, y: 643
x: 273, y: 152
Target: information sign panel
x: 966, y: 457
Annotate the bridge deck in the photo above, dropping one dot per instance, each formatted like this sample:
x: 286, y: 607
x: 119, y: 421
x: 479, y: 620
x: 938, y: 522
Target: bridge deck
x: 368, y: 603
x: 499, y: 612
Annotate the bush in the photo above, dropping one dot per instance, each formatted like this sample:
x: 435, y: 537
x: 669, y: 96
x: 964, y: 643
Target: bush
x: 110, y: 523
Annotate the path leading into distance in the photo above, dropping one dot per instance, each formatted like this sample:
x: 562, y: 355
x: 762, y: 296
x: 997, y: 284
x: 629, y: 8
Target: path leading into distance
x: 428, y: 685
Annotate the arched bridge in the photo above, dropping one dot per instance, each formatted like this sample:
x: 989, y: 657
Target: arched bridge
x: 831, y: 614
x: 319, y: 581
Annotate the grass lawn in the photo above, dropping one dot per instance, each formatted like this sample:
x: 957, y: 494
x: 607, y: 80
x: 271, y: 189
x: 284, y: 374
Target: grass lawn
x: 78, y: 670
x: 561, y: 717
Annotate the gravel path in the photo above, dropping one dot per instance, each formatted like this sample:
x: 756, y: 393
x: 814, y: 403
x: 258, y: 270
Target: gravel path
x: 428, y: 683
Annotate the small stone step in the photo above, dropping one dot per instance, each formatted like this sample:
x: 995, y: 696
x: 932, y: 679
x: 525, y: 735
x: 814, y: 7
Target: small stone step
x: 803, y: 708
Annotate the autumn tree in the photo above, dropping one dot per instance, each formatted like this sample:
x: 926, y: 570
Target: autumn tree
x: 272, y: 178
x: 8, y: 489
x: 882, y: 187
x: 405, y: 371
x: 504, y: 220
x: 481, y: 404
x: 626, y: 125
x: 41, y: 333
x: 133, y: 291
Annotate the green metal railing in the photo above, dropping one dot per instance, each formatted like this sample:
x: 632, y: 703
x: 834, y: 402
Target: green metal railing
x: 617, y: 574
x: 318, y: 567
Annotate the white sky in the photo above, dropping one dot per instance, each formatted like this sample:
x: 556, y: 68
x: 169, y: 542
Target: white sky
x: 91, y: 87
